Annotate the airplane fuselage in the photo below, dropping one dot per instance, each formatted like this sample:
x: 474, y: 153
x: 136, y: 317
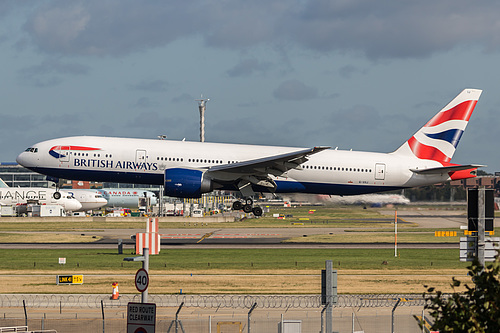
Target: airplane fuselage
x: 144, y: 161
x: 21, y: 195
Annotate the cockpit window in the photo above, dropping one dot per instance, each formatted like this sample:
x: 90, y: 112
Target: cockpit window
x: 32, y: 150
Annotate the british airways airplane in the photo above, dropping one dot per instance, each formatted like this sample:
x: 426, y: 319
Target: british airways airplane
x: 189, y: 169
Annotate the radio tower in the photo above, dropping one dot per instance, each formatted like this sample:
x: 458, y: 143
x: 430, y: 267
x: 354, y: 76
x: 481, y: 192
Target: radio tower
x: 202, y: 105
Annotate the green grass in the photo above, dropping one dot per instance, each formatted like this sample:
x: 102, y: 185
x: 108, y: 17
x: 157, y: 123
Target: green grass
x: 348, y: 216
x: 231, y: 259
x: 83, y: 225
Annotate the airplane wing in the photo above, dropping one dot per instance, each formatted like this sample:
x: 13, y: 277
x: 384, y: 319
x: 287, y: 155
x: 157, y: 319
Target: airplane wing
x: 259, y: 171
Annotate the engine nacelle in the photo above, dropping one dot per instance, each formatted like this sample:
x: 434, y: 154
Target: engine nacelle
x: 186, y: 183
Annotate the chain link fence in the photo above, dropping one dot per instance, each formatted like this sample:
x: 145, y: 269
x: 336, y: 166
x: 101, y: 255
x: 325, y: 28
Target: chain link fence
x: 213, y: 313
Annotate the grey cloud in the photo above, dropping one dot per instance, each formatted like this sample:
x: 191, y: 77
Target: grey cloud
x: 377, y: 29
x: 295, y: 90
x: 359, y: 117
x: 13, y: 122
x: 51, y: 81
x: 152, y: 86
x: 183, y: 98
x: 348, y: 71
x: 151, y: 123
x: 145, y: 102
x: 54, y: 67
x: 114, y: 27
x: 47, y: 74
x: 247, y: 67
x: 62, y: 119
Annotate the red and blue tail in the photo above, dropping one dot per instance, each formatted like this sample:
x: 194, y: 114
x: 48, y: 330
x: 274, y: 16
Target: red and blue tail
x: 438, y: 139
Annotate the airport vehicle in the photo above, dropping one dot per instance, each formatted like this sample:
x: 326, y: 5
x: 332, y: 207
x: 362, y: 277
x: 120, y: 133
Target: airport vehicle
x: 47, y: 210
x: 189, y: 169
x: 90, y: 199
x: 45, y: 196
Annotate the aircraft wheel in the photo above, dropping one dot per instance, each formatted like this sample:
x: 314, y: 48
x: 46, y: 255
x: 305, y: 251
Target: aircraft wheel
x: 237, y: 205
x: 249, y: 201
x: 247, y: 208
x: 57, y: 195
x: 257, y: 211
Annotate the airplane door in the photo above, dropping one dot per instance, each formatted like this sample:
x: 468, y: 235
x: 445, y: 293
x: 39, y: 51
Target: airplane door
x: 379, y: 171
x: 63, y: 153
x: 140, y: 157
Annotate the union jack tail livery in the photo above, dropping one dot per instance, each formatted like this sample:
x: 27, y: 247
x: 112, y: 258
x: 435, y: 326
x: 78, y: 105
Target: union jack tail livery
x: 438, y: 139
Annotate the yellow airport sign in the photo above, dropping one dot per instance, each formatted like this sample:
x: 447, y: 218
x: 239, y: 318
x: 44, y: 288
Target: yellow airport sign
x: 70, y: 279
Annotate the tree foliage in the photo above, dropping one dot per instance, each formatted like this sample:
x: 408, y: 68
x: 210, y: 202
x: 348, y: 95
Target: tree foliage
x: 475, y: 310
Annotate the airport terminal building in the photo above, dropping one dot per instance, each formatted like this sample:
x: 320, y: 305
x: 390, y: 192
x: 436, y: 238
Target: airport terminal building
x: 15, y: 175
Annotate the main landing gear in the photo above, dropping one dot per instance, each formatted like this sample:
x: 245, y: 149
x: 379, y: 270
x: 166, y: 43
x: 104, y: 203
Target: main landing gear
x: 247, y: 207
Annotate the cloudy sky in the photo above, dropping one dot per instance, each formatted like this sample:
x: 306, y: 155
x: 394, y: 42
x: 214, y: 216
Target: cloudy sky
x: 353, y: 74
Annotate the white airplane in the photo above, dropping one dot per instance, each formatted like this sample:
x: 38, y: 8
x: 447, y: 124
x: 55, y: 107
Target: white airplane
x: 90, y: 199
x: 120, y: 197
x: 189, y: 169
x: 45, y: 196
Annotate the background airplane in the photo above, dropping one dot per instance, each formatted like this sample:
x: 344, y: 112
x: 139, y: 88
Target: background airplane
x: 45, y: 196
x: 89, y: 199
x: 189, y: 169
x: 125, y: 198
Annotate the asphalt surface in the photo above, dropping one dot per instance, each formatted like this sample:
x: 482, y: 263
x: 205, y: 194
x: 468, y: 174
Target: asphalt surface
x: 260, y: 237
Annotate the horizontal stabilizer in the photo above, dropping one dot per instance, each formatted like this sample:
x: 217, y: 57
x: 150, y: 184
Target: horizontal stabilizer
x: 446, y: 169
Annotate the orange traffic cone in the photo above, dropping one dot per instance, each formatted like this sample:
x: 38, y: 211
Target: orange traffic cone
x: 115, y: 294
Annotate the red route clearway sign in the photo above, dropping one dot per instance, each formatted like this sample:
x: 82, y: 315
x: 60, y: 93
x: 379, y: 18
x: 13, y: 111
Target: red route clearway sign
x: 141, y: 317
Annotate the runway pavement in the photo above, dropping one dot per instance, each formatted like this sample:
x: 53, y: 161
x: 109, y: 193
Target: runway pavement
x: 261, y: 237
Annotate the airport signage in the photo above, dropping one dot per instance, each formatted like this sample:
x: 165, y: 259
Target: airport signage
x: 141, y: 280
x: 141, y: 317
x: 468, y: 248
x: 70, y: 279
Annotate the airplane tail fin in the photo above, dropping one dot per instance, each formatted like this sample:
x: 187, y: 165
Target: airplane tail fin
x: 2, y: 184
x: 438, y: 139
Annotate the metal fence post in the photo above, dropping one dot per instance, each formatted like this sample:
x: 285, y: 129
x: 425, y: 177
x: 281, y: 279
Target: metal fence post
x: 103, y: 322
x: 392, y: 315
x: 25, y: 314
x: 177, y: 318
x: 423, y: 320
x: 145, y: 265
x: 322, y: 314
x: 250, y: 315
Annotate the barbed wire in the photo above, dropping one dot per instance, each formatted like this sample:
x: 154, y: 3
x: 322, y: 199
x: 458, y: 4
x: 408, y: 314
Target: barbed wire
x: 210, y: 301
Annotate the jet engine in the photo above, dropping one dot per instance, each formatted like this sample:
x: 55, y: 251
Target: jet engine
x: 186, y: 183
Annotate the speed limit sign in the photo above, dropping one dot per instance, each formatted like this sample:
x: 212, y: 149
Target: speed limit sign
x: 141, y: 280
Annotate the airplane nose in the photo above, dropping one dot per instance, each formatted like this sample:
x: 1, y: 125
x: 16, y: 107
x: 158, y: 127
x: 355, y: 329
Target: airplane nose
x: 21, y: 158
x: 74, y: 205
x: 26, y: 159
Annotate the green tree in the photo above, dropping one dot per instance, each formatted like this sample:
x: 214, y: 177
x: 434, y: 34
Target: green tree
x: 475, y: 310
